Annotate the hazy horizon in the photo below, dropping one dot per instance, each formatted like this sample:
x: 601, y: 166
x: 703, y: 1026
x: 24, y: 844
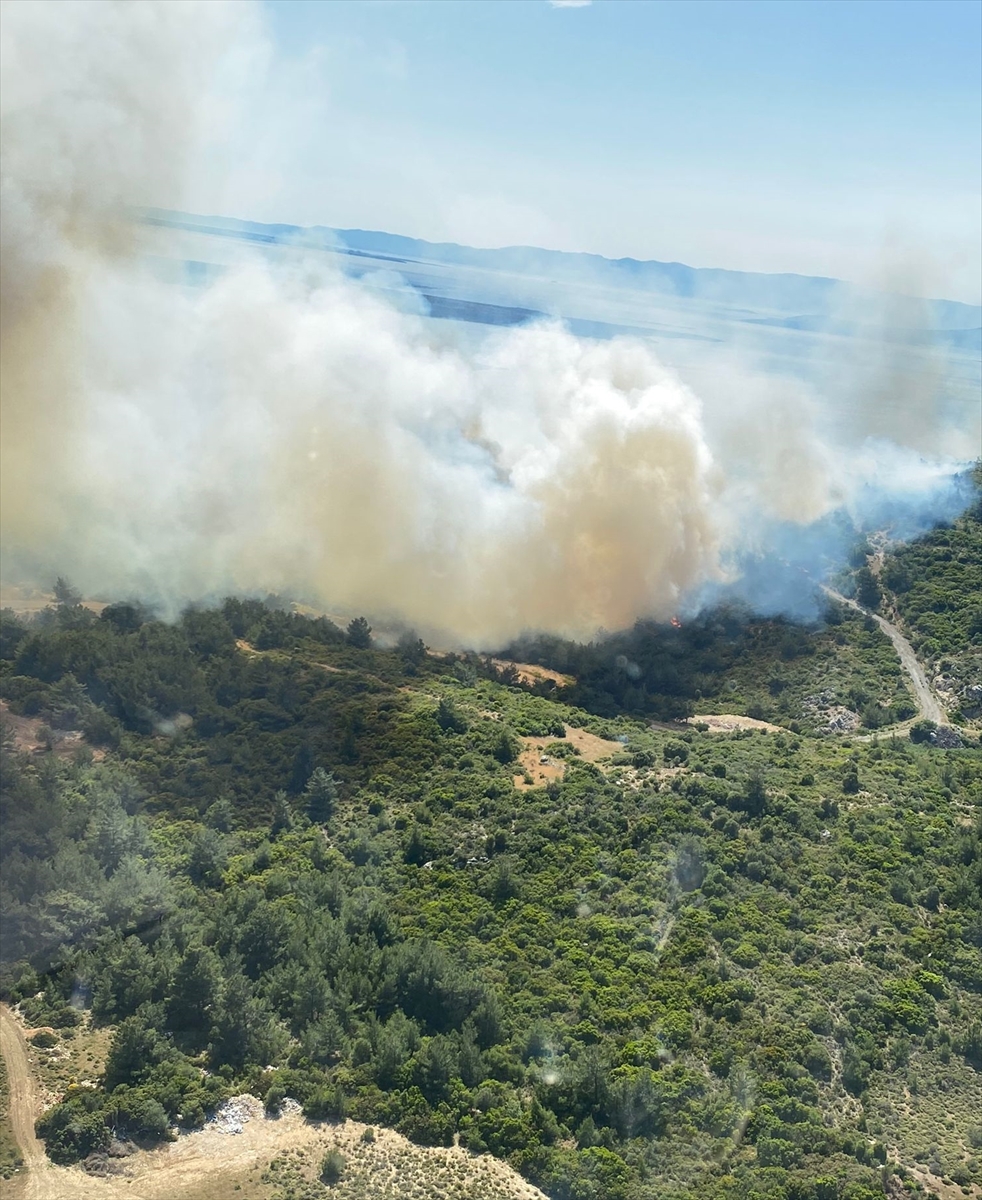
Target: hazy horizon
x: 188, y: 414
x: 813, y: 138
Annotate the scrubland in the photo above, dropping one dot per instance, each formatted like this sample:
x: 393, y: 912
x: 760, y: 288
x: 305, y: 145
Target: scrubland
x: 725, y: 959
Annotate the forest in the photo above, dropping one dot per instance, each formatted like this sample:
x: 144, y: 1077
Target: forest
x: 270, y: 854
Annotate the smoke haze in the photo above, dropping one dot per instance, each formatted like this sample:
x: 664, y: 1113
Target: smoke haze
x: 284, y: 429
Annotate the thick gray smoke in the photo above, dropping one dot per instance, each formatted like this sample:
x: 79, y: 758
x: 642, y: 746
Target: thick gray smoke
x: 282, y: 429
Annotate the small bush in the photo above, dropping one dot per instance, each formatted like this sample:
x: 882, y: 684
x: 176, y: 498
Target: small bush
x: 73, y: 1129
x: 676, y: 752
x: 326, y: 1103
x: 274, y: 1099
x: 332, y: 1167
x: 505, y: 749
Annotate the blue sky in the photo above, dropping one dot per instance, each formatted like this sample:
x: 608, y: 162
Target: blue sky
x: 828, y: 138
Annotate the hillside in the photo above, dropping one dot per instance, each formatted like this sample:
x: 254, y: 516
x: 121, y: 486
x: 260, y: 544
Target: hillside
x: 536, y: 912
x: 816, y: 303
x: 934, y: 588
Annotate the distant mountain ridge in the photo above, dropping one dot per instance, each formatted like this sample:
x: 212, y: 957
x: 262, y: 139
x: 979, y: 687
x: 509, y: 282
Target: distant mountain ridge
x: 810, y: 300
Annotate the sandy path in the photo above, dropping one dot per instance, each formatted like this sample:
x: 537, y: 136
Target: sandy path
x: 210, y: 1164
x: 25, y: 1104
x: 40, y: 1178
x: 927, y: 702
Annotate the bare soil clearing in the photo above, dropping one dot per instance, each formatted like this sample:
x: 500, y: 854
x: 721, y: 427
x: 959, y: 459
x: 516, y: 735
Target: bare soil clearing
x: 23, y: 599
x: 591, y: 749
x: 727, y: 722
x: 539, y: 768
x: 29, y: 600
x: 530, y: 673
x: 26, y: 730
x: 32, y: 736
x: 215, y: 1163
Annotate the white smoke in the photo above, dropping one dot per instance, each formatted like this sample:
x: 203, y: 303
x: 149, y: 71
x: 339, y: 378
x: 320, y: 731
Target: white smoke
x: 282, y: 429
x: 266, y: 434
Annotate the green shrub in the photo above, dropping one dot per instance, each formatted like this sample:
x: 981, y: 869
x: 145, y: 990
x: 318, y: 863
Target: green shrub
x: 676, y: 753
x: 75, y: 1128
x: 274, y: 1098
x: 333, y: 1165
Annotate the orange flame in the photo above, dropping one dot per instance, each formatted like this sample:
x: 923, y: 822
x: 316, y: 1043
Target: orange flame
x: 676, y: 623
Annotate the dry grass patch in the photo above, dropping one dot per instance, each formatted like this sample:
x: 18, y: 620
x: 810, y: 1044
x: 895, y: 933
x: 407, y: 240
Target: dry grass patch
x: 60, y: 1057
x: 539, y: 767
x: 530, y: 673
x: 727, y: 722
x: 379, y: 1164
x: 281, y: 1158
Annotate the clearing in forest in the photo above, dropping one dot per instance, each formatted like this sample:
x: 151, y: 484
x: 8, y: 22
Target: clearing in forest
x: 543, y: 767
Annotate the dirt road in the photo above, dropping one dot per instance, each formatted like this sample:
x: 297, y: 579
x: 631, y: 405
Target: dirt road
x: 40, y: 1178
x: 227, y: 1164
x: 927, y: 702
x: 25, y: 1104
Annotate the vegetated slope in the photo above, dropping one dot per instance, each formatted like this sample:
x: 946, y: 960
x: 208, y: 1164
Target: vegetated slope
x: 838, y: 673
x: 246, y: 1153
x: 927, y: 701
x: 934, y: 585
x: 712, y: 965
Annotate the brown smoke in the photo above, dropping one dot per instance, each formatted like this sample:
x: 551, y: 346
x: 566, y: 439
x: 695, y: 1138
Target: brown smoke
x: 98, y: 111
x: 282, y: 429
x: 275, y: 431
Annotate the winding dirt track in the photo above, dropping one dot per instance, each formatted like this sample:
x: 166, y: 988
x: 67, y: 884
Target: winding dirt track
x: 40, y: 1178
x: 25, y: 1104
x: 209, y: 1164
x: 174, y: 1170
x: 927, y: 702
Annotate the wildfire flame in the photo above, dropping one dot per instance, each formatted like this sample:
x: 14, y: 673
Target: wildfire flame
x: 677, y: 624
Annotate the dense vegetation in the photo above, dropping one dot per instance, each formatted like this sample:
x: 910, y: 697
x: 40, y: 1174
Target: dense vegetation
x: 738, y: 965
x: 726, y: 661
x: 934, y: 586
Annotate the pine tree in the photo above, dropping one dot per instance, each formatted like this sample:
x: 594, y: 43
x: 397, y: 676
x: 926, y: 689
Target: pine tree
x: 282, y: 814
x: 320, y: 796
x: 360, y: 634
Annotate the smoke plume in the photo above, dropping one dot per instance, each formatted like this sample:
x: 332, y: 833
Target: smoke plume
x: 282, y: 429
